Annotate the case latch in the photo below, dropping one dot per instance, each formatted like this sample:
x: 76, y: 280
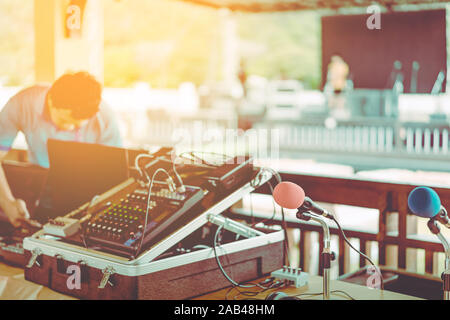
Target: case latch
x: 34, y: 258
x: 107, y: 273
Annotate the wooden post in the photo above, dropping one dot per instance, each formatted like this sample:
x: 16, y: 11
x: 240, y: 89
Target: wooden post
x: 68, y: 37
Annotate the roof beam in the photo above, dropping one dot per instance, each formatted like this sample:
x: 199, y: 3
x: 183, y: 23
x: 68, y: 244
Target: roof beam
x: 254, y: 6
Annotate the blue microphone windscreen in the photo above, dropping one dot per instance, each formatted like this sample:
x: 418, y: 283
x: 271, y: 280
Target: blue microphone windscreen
x: 424, y: 202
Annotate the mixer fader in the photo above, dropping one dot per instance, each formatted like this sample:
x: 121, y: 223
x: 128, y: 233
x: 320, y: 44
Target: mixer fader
x: 119, y: 225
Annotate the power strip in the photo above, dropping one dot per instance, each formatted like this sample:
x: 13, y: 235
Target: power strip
x: 62, y: 227
x: 291, y: 276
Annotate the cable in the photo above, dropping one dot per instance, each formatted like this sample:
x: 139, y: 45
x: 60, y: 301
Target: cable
x: 273, y: 212
x: 278, y: 285
x: 284, y: 226
x: 181, y: 188
x: 205, y: 164
x: 83, y: 230
x: 286, y: 241
x: 193, y: 154
x: 148, y: 207
x: 359, y: 252
x: 170, y: 181
x: 321, y: 293
x: 251, y: 211
x: 138, y: 168
x: 345, y: 293
x: 272, y: 284
x: 203, y: 161
x: 234, y: 283
x: 256, y: 183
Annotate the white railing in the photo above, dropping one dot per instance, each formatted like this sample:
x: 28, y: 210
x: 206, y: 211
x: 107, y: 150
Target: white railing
x: 367, y: 137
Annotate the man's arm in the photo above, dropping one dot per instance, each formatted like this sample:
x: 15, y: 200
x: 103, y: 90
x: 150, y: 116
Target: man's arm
x: 5, y: 191
x: 15, y: 209
x: 10, y: 124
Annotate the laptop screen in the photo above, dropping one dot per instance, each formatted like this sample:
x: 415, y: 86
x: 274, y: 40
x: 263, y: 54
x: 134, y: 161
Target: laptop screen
x: 78, y: 172
x: 26, y: 182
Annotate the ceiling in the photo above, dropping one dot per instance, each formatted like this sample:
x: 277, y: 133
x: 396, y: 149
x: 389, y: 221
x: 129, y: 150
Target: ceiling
x: 295, y: 5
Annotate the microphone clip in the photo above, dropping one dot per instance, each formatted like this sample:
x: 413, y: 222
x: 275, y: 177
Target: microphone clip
x: 302, y: 216
x: 433, y: 226
x: 311, y: 207
x: 441, y: 217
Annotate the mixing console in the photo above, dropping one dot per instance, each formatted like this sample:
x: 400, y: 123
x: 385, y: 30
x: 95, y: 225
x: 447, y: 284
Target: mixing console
x: 119, y: 224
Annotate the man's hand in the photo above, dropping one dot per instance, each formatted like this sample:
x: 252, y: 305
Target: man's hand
x: 18, y: 214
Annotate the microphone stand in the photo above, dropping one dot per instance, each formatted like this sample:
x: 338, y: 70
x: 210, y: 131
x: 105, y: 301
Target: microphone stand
x: 435, y: 229
x: 327, y: 254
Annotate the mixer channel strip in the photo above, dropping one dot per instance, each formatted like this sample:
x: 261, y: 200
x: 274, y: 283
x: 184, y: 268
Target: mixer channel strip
x: 118, y: 226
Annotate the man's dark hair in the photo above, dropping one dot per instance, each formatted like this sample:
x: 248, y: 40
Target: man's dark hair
x: 80, y: 92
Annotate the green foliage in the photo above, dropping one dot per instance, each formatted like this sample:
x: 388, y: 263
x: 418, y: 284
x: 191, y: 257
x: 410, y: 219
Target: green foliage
x: 293, y: 45
x: 167, y: 42
x: 164, y: 43
x: 16, y: 42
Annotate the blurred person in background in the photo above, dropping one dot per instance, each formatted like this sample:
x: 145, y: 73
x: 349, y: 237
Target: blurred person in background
x: 71, y: 110
x: 337, y: 83
x: 242, y: 76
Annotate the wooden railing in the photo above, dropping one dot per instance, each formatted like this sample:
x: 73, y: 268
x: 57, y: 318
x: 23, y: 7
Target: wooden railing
x: 384, y: 196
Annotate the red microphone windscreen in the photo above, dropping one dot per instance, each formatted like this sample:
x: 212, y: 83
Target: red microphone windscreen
x: 289, y: 195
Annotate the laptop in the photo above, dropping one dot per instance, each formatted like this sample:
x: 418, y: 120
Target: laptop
x: 26, y: 182
x: 78, y: 172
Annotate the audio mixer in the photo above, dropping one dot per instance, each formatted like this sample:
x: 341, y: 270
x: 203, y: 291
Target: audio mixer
x: 125, y: 221
x: 118, y: 226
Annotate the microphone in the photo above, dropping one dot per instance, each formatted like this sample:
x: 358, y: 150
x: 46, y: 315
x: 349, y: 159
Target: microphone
x: 437, y: 87
x: 414, y: 74
x: 425, y: 202
x: 288, y: 195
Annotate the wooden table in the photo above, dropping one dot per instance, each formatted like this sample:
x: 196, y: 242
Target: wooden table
x: 311, y: 291
x: 13, y: 286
